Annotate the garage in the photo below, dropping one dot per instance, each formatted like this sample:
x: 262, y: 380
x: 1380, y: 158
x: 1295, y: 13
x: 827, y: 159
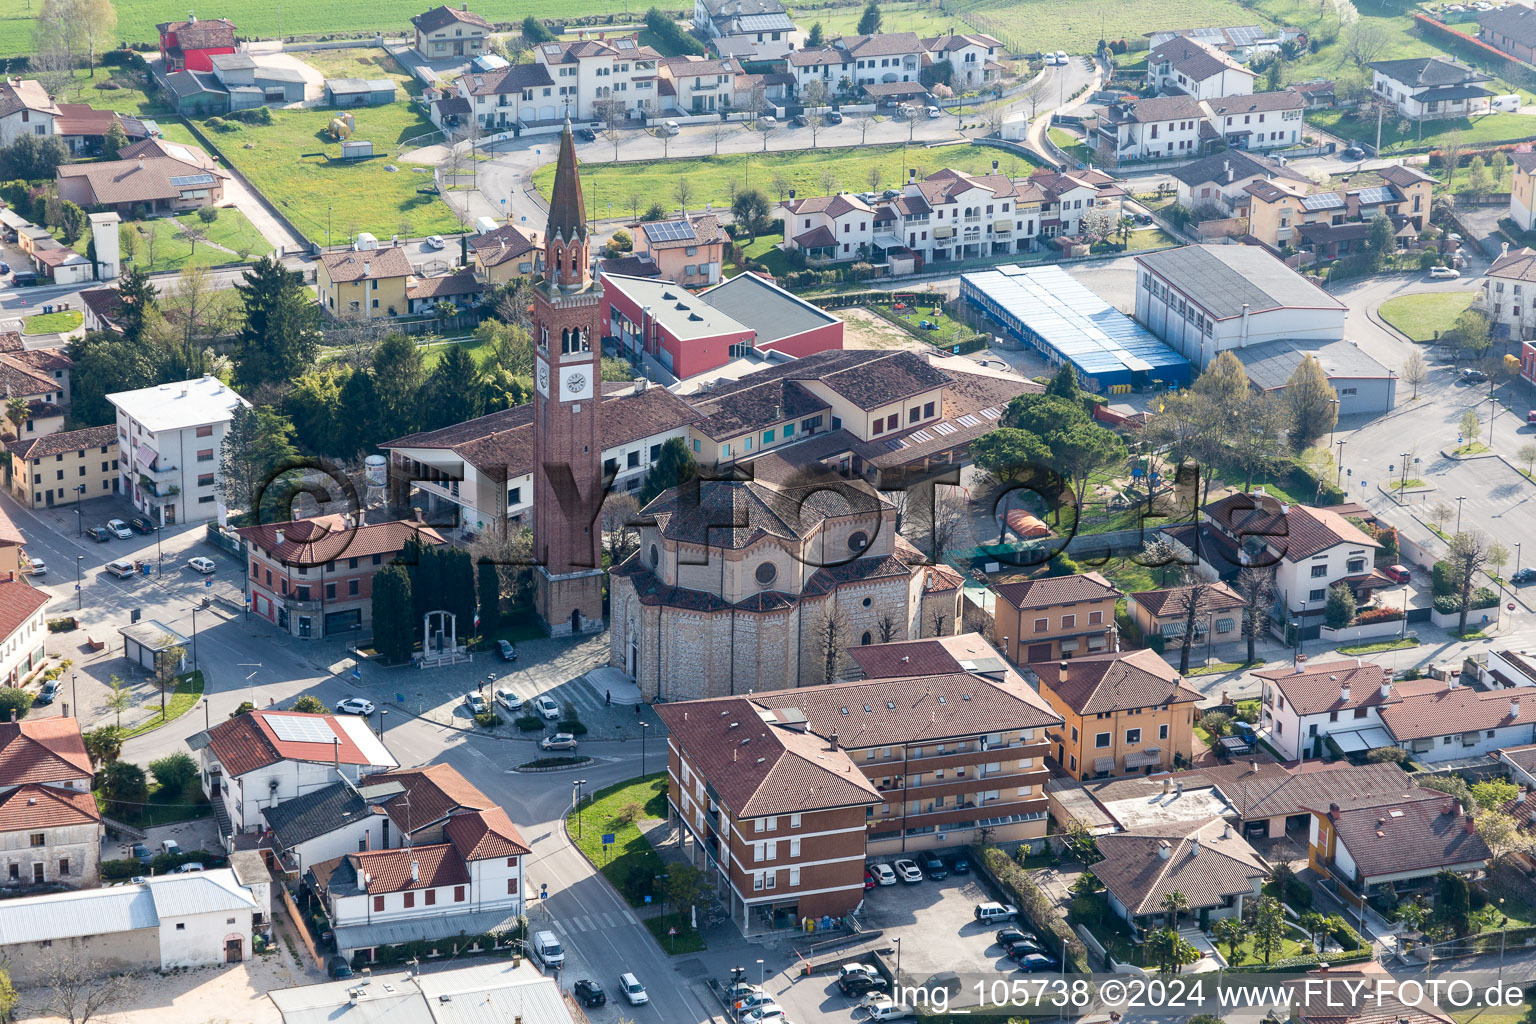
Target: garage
x: 341, y: 622
x: 144, y: 643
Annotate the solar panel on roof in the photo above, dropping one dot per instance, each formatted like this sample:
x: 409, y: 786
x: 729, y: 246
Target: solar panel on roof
x: 945, y: 428
x: 670, y: 231
x: 969, y: 420
x: 1322, y: 201
x: 1377, y: 194
x: 293, y: 729
x: 183, y: 180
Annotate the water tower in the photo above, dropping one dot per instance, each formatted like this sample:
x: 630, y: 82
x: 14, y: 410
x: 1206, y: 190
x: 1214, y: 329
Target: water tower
x: 376, y: 475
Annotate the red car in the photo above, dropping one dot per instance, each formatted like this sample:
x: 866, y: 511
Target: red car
x: 1397, y: 573
x: 869, y: 880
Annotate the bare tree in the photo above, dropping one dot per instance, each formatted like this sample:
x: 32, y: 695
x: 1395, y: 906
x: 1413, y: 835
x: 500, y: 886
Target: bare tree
x: 885, y: 625
x: 864, y: 119
x: 98, y: 29
x: 1191, y: 602
x: 620, y: 512
x: 935, y: 519
x: 872, y: 176
x: 813, y: 94
x: 780, y: 184
x: 613, y: 115
x: 828, y: 181
x: 633, y: 201
x: 1468, y: 557
x: 1415, y: 371
x: 682, y: 191
x: 721, y: 131
x: 1365, y: 42
x: 1033, y: 93
x: 938, y: 618
x: 995, y: 114
x: 58, y: 43
x: 1257, y: 589
x: 831, y: 634
x: 78, y: 989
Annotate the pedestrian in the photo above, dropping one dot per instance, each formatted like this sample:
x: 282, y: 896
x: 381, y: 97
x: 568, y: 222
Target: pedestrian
x: 637, y: 710
x: 607, y: 698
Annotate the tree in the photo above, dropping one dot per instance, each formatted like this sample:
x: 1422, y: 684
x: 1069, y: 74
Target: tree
x: 1033, y: 93
x: 309, y: 704
x: 32, y: 158
x: 119, y: 698
x: 15, y: 702
x: 934, y: 519
x: 1450, y: 153
x: 1268, y: 927
x: 1170, y: 950
x: 1312, y: 401
x: 123, y: 785
x: 675, y: 466
x: 1098, y: 222
x: 751, y: 212
x: 1415, y: 371
x: 1468, y: 556
x: 831, y: 633
x: 535, y: 32
x: 104, y: 745
x: 869, y: 21
x: 1498, y: 557
x: 1190, y: 602
x: 620, y: 512
x: 1174, y: 903
x: 281, y: 334
x: 814, y: 37
x: 257, y: 447
x: 1341, y: 606
x: 687, y: 886
x: 613, y: 114
x: 1365, y: 42
x: 1217, y: 723
x: 1314, y: 924
x: 1504, y: 835
x: 1472, y: 332
x: 394, y: 621
x: 718, y: 132
x: 1256, y: 586
x: 488, y: 597
x: 1527, y: 455
x: 1232, y: 931
x: 193, y: 312
x: 1453, y: 903
x: 1498, y: 163
x: 1081, y: 450
x: 398, y: 376
x: 682, y: 191
x: 1492, y: 794
x: 454, y: 389
x: 79, y: 989
x: 1382, y: 241
x: 1273, y: 75
x: 1469, y: 425
x: 1478, y: 182
x: 174, y: 771
x: 1010, y: 455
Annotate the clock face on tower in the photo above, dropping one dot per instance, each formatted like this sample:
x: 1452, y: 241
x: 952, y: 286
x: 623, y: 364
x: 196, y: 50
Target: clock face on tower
x: 575, y: 384
x: 543, y: 377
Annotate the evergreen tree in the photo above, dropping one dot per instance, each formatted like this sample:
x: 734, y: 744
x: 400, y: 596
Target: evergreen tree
x: 115, y: 141
x: 424, y: 563
x: 815, y: 36
x: 257, y: 447
x: 1064, y: 384
x: 488, y: 583
x: 1312, y: 402
x: 394, y: 627
x: 136, y: 296
x: 360, y: 425
x: 281, y: 336
x: 314, y: 406
x: 455, y: 389
x: 869, y: 21
x: 458, y: 579
x: 1383, y: 239
x: 676, y: 465
x: 398, y: 377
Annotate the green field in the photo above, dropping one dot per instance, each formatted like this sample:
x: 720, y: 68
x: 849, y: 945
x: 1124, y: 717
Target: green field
x: 230, y: 234
x: 51, y: 323
x: 116, y: 89
x: 1073, y: 146
x: 924, y: 19
x: 1474, y: 131
x: 710, y: 177
x: 360, y: 63
x: 1074, y: 25
x: 312, y: 190
x: 1420, y: 316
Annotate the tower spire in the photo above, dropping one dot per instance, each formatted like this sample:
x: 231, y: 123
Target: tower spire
x: 567, y: 212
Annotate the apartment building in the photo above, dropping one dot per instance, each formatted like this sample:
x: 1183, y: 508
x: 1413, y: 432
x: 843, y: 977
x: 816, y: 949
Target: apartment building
x: 1184, y: 66
x: 499, y: 100
x: 65, y: 467
x: 751, y: 29
x: 168, y: 440
x: 1056, y: 617
x: 1334, y: 218
x: 1182, y: 126
x: 1430, y: 88
x: 1504, y: 294
x: 1123, y: 713
x: 589, y: 71
x: 1221, y: 180
x: 783, y: 795
x: 699, y: 85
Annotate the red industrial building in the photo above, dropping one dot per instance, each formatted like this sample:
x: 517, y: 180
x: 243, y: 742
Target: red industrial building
x: 189, y: 45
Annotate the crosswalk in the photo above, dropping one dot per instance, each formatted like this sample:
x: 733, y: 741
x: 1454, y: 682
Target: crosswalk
x: 596, y: 921
x: 576, y: 694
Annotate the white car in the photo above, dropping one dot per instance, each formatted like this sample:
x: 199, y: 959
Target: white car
x: 883, y: 873
x: 908, y: 871
x: 189, y: 867
x: 884, y: 1009
x: 547, y: 706
x: 855, y: 968
x: 121, y: 569
x: 1443, y: 273
x: 119, y: 529
x: 476, y: 703
x: 354, y: 706
x: 509, y: 700
x: 201, y: 564
x: 1061, y: 57
x: 37, y: 567
x: 632, y: 989
x: 767, y: 119
x: 434, y: 242
x: 755, y: 999
x: 768, y: 1013
x: 934, y: 112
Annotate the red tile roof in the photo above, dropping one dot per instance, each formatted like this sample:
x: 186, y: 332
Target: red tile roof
x: 1117, y: 681
x: 43, y: 750
x: 374, y: 265
x: 1172, y: 600
x: 1420, y: 835
x: 1207, y: 861
x: 389, y: 871
x: 482, y: 835
x: 246, y: 742
x: 1319, y: 688
x: 19, y: 601
x: 1298, y: 530
x: 1462, y: 709
x: 431, y: 793
x: 326, y: 538
x: 33, y: 806
x: 1050, y: 592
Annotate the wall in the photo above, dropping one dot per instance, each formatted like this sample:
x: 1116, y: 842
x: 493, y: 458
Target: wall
x: 81, y: 844
x: 1511, y: 736
x: 28, y: 962
x: 342, y: 841
x: 198, y: 940
x: 1357, y: 632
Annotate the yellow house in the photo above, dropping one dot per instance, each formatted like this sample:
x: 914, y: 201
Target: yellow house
x: 368, y: 283
x: 504, y: 255
x: 1522, y: 195
x: 1332, y: 219
x: 1122, y: 713
x: 64, y: 468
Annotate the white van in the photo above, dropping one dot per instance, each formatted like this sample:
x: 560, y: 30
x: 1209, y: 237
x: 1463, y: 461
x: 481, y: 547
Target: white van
x: 1509, y: 102
x: 169, y: 846
x: 633, y: 990
x: 365, y: 242
x: 546, y: 949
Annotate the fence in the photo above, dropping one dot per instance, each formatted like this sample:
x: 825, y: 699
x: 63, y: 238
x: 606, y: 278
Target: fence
x: 297, y: 920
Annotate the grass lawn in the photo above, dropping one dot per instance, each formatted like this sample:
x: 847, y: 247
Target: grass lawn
x: 922, y: 18
x: 949, y: 330
x: 710, y: 176
x: 1425, y: 315
x: 765, y: 249
x: 287, y: 164
x: 1148, y: 238
x: 163, y: 807
x: 1474, y: 131
x: 1411, y: 483
x: 1073, y: 25
x: 433, y: 351
x: 1245, y: 954
x: 1471, y: 448
x: 49, y: 323
x: 122, y: 90
x: 1072, y: 146
x: 360, y: 63
x: 630, y: 863
x: 189, y: 689
x: 159, y: 238
x: 1131, y: 577
x: 1490, y: 1015
x: 685, y: 941
x: 1393, y: 644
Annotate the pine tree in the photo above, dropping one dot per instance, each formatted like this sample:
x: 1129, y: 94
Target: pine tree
x: 359, y: 424
x: 676, y: 465
x: 1312, y: 402
x: 458, y: 581
x: 488, y: 583
x: 281, y: 336
x: 114, y: 141
x: 815, y: 36
x: 398, y: 376
x: 257, y: 447
x: 455, y: 389
x: 1064, y: 384
x: 136, y: 296
x: 394, y: 630
x: 869, y: 21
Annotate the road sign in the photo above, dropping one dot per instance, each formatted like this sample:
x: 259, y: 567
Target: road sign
x: 671, y: 931
x: 647, y: 899
x: 206, y: 583
x: 544, y: 894
x: 607, y: 838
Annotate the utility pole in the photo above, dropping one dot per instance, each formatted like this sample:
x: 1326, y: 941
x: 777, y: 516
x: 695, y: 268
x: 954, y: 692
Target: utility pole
x: 1380, y: 113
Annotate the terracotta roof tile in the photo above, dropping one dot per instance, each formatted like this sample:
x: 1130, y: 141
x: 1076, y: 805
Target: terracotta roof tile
x: 247, y: 742
x: 1420, y: 835
x: 1051, y: 592
x: 1462, y: 709
x: 372, y: 265
x: 442, y: 17
x: 34, y: 806
x: 1168, y: 600
x: 19, y: 601
x: 481, y: 835
x: 1207, y: 861
x: 432, y: 793
x: 325, y: 538
x: 1300, y: 531
x: 389, y: 871
x: 1115, y: 681
x: 43, y: 750
x: 1319, y: 687
x: 63, y: 441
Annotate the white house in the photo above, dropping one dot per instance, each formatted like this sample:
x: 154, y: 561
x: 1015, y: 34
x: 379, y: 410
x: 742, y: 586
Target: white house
x: 259, y: 759
x: 973, y: 57
x: 1429, y: 88
x: 839, y: 227
x: 498, y: 100
x: 831, y: 65
x: 198, y: 919
x: 753, y: 29
x: 23, y: 628
x: 1205, y: 299
x: 1506, y: 293
x: 1454, y: 722
x: 25, y: 109
x: 469, y: 884
x: 1222, y: 178
x: 884, y: 57
x: 1303, y: 704
x: 169, y: 437
x: 700, y: 85
x: 587, y: 71
x: 1521, y: 764
x: 1183, y: 66
x: 1177, y: 126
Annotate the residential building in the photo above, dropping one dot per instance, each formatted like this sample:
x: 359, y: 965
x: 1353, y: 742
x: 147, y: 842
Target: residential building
x: 1056, y: 617
x: 1183, y: 127
x: 25, y: 109
x: 197, y: 919
x: 1206, y: 299
x: 687, y: 251
x: 501, y: 988
x: 699, y: 85
x: 1520, y: 765
x: 460, y: 289
x: 1208, y: 861
x: 313, y: 578
x: 830, y: 64
x: 190, y: 45
x: 38, y: 376
x: 781, y: 796
x: 145, y: 179
x: 1528, y: 362
x: 65, y: 467
x: 1221, y: 180
x: 829, y: 228
x: 12, y: 543
x: 1511, y: 29
x: 1430, y: 88
x: 1185, y: 66
x: 589, y: 71
x: 1452, y: 722
x: 499, y: 100
x: 1522, y: 195
x: 22, y: 628
x: 262, y: 758
x: 50, y: 829
x: 1499, y: 670
x: 1401, y: 840
x: 1165, y: 613
x: 168, y: 439
x: 504, y: 255
x: 470, y: 883
x: 745, y: 316
x: 1354, y: 994
x: 1509, y: 284
x: 1304, y: 706
x: 481, y: 471
x: 102, y: 308
x: 83, y: 128
x: 1122, y: 712
x: 975, y: 58
x: 446, y: 32
x: 1333, y: 219
x: 1071, y: 194
x: 368, y: 283
x: 754, y: 29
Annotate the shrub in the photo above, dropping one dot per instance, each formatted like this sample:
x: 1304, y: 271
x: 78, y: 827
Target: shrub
x: 654, y: 212
x: 1441, y: 578
x: 1371, y: 615
x: 209, y: 214
x: 14, y: 703
x: 572, y: 726
x: 174, y: 771
x: 1216, y: 723
x: 309, y: 704
x: 124, y: 786
x: 529, y: 723
x: 63, y: 625
x: 255, y: 115
x: 115, y: 869
x: 488, y: 719
x: 1392, y: 755
x: 630, y: 813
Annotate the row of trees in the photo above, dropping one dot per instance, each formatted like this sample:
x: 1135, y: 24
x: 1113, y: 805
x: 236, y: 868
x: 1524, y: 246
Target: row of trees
x: 425, y: 578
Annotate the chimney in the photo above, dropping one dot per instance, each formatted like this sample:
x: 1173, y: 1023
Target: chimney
x: 415, y: 871
x: 281, y: 533
x: 141, y: 163
x: 1226, y: 166
x: 1344, y: 692
x: 1520, y: 799
x: 832, y: 741
x: 366, y: 265
x: 1164, y: 850
x: 1194, y: 845
x: 1226, y: 830
x: 1468, y: 824
x: 1333, y: 811
x: 1167, y: 785
x: 1386, y: 688
x: 1061, y: 672
x: 1178, y: 790
x: 1253, y: 765
x: 1285, y: 509
x: 1514, y: 707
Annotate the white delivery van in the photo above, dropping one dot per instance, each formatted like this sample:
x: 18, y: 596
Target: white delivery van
x: 365, y: 242
x: 546, y: 949
x: 1509, y: 102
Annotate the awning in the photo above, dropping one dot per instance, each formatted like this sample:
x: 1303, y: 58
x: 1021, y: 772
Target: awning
x: 1069, y: 645
x: 145, y: 456
x: 1142, y: 758
x: 1104, y: 764
x: 1097, y: 642
x: 1357, y: 740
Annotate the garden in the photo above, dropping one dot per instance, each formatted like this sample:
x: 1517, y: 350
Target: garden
x: 61, y: 322
x: 925, y: 319
x: 629, y: 862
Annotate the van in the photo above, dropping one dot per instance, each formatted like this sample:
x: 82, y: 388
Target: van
x: 1509, y: 102
x: 169, y: 846
x: 546, y: 949
x: 365, y: 242
x: 633, y: 990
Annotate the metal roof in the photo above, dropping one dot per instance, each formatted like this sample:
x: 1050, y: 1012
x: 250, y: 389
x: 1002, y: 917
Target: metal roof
x: 1087, y: 331
x: 766, y: 308
x: 493, y: 992
x: 765, y: 22
x: 1271, y: 363
x: 199, y: 892
x: 150, y: 633
x: 65, y: 915
x: 1222, y: 279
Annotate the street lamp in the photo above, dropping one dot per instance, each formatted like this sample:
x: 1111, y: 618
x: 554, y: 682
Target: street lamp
x: 382, y: 713
x: 761, y: 977
x: 898, y: 960
x: 1459, y: 499
x: 194, y: 638
x: 736, y: 973
x: 645, y: 727
x: 78, y: 595
x: 74, y: 691
x: 206, y: 723
x: 1335, y: 426
x: 576, y: 785
x: 1339, y: 476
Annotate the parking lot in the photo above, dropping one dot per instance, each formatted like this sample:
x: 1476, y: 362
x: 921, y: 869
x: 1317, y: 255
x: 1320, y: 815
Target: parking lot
x: 937, y: 926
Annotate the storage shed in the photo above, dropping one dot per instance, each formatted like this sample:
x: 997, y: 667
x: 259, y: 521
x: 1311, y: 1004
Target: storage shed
x: 144, y: 641
x: 359, y: 92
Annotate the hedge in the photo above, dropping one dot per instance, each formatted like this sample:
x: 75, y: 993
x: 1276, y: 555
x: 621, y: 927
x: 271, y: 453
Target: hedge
x: 1299, y: 963
x: 423, y: 949
x: 1371, y: 615
x: 1033, y: 903
x: 1450, y: 604
x: 114, y: 869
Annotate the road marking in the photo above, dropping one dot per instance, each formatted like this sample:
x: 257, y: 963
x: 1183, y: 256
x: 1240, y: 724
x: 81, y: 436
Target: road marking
x: 630, y: 917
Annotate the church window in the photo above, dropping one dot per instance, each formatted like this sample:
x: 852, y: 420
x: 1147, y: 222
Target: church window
x: 655, y: 557
x: 766, y: 573
x: 866, y: 639
x: 858, y: 541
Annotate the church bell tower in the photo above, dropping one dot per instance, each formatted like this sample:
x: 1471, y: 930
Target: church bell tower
x: 568, y: 485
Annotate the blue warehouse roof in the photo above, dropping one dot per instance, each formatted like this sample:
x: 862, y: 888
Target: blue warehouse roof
x: 1049, y: 308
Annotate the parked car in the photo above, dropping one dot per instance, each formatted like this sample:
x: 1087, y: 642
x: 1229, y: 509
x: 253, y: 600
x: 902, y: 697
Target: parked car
x: 856, y: 985
x: 633, y: 990
x: 506, y: 650
x: 189, y: 867
x: 668, y: 128
x: 559, y: 741
x: 590, y: 993
x: 37, y: 567
x: 119, y: 529
x: 354, y: 706
x: 883, y: 874
x: 49, y: 693
x: 1031, y: 963
x: 547, y: 707
x: 509, y: 700
x: 1061, y: 58
x: 1024, y: 946
x: 752, y: 1000
x: 5, y: 268
x: 1443, y: 273
x: 141, y: 853
x: 98, y: 534
x: 1143, y: 218
x: 767, y: 119
x: 934, y: 113
x: 1397, y: 573
x: 833, y: 117
x: 1008, y: 936
x: 120, y: 568
x: 1050, y: 59
x: 802, y: 121
x: 854, y: 967
x: 933, y: 866
x: 141, y: 524
x: 995, y: 912
x: 1472, y: 376
x: 434, y: 242
x: 741, y: 990
x: 201, y: 564
x: 869, y: 880
x: 960, y: 864
x: 769, y: 1013
x: 586, y: 134
x: 27, y: 279
x: 1354, y: 153
x: 907, y: 871
x: 476, y: 703
x: 886, y: 1009
x: 338, y: 967
x: 1523, y: 576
